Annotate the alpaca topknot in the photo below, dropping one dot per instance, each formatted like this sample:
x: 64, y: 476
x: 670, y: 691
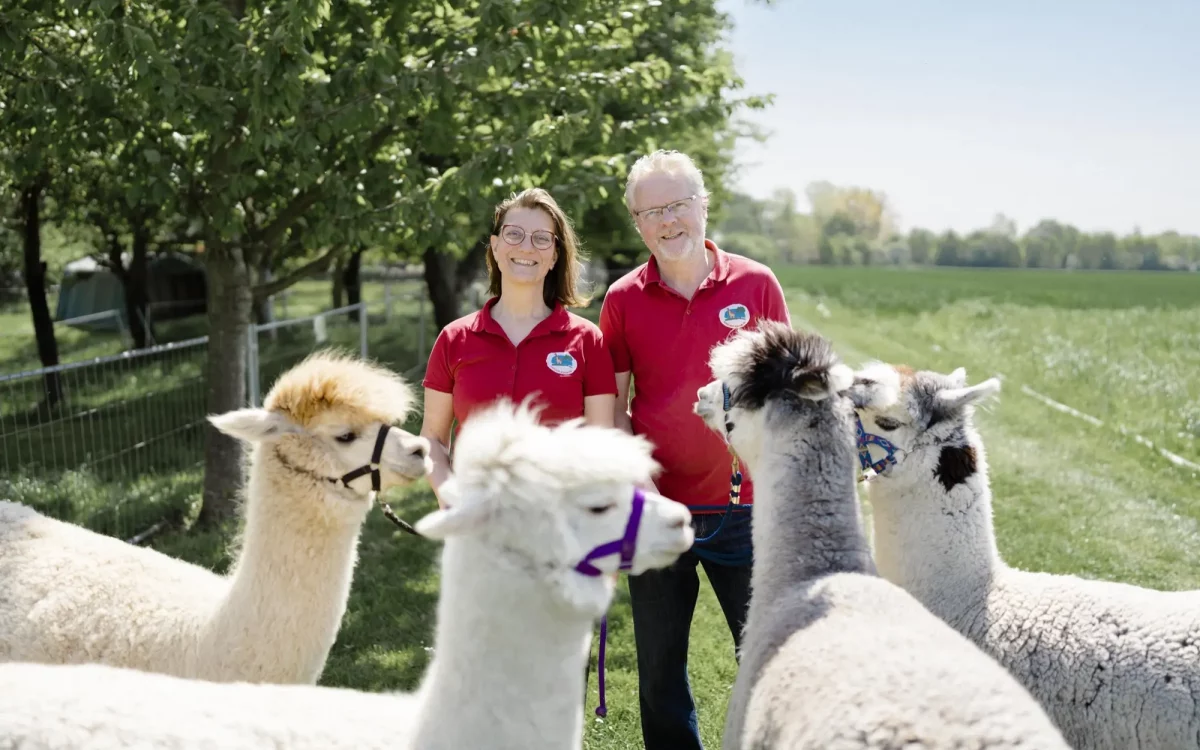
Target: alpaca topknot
x: 329, y: 380
x: 503, y: 446
x: 777, y: 360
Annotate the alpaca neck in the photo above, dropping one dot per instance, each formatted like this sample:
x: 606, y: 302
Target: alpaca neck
x: 807, y: 519
x: 509, y: 659
x: 289, y: 586
x: 938, y: 545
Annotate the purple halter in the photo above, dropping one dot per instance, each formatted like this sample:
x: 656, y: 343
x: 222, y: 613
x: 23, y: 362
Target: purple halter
x: 625, y: 546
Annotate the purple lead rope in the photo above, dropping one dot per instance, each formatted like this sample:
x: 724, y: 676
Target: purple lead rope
x: 624, y: 546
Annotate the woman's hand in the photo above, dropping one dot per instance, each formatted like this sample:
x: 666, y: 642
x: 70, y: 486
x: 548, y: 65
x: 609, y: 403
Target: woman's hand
x: 435, y: 427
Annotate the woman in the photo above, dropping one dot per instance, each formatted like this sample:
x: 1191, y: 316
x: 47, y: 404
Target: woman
x: 523, y: 341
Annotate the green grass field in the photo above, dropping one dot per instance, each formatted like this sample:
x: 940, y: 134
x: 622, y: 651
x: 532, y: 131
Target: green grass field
x: 1069, y: 496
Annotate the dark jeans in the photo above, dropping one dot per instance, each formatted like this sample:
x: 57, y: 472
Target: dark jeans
x: 663, y: 602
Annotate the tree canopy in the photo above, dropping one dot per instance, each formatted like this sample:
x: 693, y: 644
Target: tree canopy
x: 279, y: 137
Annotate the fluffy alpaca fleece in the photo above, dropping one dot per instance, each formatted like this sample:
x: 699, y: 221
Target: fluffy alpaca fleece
x: 68, y: 595
x: 1115, y: 666
x: 98, y: 707
x: 832, y: 655
x: 514, y: 620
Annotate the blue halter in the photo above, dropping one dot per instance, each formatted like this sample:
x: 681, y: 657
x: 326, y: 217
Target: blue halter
x: 865, y: 440
x: 735, y: 498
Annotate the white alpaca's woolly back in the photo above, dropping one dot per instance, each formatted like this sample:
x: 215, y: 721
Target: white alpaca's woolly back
x: 98, y: 707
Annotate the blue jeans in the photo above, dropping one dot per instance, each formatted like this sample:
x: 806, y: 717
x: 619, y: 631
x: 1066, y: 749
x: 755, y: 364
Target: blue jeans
x: 663, y: 602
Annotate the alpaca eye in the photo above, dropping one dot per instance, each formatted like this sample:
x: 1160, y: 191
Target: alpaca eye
x: 347, y: 437
x: 886, y: 424
x: 597, y: 510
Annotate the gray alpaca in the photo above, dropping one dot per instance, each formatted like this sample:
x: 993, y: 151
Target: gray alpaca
x: 833, y: 656
x: 1116, y: 666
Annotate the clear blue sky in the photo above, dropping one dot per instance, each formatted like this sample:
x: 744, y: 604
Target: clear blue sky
x: 1086, y: 111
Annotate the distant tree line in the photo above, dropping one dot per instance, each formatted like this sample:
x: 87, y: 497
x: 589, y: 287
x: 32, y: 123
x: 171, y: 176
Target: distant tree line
x: 856, y: 226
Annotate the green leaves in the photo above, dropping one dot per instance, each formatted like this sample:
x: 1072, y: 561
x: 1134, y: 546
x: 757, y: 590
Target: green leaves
x: 313, y: 119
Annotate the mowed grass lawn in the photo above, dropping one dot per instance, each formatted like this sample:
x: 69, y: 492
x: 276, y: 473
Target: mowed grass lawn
x: 1069, y: 496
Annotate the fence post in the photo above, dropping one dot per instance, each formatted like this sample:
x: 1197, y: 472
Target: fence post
x: 252, y: 364
x: 148, y: 336
x: 421, y: 326
x: 362, y: 329
x: 387, y: 300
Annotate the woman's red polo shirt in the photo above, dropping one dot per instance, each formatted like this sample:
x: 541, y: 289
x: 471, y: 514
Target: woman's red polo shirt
x: 562, y: 360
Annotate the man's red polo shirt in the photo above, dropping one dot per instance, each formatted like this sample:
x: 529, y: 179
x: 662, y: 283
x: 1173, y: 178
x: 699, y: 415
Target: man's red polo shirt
x: 664, y: 340
x: 562, y: 360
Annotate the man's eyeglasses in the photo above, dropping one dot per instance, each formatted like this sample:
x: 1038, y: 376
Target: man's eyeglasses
x: 514, y: 235
x: 678, y: 207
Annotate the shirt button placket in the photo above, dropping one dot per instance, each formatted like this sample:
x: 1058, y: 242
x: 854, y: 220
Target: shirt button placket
x: 512, y: 377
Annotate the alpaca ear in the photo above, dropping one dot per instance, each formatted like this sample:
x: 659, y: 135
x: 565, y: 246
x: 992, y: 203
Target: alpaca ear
x: 254, y: 425
x: 841, y: 377
x: 958, y: 378
x: 954, y: 399
x: 875, y: 386
x: 860, y: 391
x: 456, y: 519
x: 816, y: 386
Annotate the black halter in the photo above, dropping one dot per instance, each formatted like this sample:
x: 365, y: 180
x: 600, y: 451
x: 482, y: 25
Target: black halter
x: 371, y: 468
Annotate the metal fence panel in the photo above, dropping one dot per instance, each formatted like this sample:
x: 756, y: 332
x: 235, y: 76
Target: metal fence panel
x: 123, y: 447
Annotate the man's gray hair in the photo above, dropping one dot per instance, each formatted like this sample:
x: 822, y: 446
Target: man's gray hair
x: 666, y: 162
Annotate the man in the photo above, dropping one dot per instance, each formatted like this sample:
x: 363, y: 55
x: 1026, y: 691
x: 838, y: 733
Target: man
x: 660, y: 321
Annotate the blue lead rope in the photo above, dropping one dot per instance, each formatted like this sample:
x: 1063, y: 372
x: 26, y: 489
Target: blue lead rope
x: 735, y: 506
x: 735, y: 501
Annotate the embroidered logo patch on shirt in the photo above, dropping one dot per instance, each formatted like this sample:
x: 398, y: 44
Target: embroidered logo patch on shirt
x: 735, y: 316
x: 561, y: 362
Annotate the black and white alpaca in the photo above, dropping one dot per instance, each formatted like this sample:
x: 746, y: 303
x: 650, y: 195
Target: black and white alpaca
x: 833, y: 656
x: 1115, y: 666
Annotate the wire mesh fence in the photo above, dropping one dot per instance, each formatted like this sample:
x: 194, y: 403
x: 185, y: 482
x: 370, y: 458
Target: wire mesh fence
x: 115, y: 443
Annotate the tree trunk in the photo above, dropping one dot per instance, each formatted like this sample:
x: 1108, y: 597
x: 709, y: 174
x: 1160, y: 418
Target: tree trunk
x: 229, y: 308
x: 440, y: 281
x: 338, y: 276
x: 263, y: 310
x: 352, y: 282
x: 135, y: 281
x: 447, y: 277
x: 35, y: 284
x: 616, y: 266
x: 470, y: 265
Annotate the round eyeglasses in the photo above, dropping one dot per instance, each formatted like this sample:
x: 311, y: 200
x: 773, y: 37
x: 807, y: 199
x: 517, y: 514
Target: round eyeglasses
x: 514, y: 235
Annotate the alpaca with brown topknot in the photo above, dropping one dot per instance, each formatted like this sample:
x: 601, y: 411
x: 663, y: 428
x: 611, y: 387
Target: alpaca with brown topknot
x: 69, y: 596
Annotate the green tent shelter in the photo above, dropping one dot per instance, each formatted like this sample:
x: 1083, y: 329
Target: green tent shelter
x: 176, y: 286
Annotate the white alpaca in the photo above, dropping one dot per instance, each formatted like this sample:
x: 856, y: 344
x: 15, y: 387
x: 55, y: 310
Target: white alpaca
x: 1115, y: 666
x: 541, y: 520
x: 832, y: 655
x: 68, y: 595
